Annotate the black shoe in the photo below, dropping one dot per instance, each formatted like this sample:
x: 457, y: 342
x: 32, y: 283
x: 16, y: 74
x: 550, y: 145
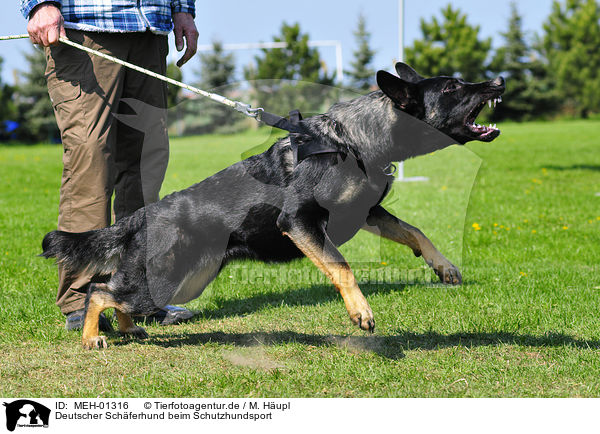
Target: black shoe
x: 74, y: 321
x: 168, y: 315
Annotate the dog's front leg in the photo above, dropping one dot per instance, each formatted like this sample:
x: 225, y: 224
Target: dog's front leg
x: 382, y: 223
x: 317, y: 246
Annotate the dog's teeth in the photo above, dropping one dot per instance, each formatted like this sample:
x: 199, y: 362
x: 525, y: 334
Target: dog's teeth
x: 489, y: 103
x: 499, y: 99
x: 495, y: 127
x: 494, y: 102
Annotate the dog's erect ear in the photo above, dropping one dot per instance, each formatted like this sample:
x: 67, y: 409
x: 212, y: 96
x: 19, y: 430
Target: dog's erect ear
x: 406, y: 73
x: 401, y: 92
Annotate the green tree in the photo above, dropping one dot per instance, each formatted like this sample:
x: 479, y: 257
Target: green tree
x: 173, y: 92
x: 36, y: 115
x: 448, y: 47
x: 297, y: 61
x: 529, y: 93
x: 216, y: 74
x: 7, y: 107
x: 217, y: 68
x: 570, y: 43
x: 293, y: 77
x: 362, y: 76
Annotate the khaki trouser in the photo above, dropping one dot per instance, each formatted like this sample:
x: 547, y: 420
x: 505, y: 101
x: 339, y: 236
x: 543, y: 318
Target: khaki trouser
x: 113, y: 128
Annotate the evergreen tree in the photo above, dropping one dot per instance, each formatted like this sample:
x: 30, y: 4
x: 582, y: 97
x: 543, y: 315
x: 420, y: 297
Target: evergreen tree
x: 297, y: 61
x: 36, y: 115
x: 217, y: 68
x: 449, y: 47
x: 529, y: 94
x: 570, y: 43
x: 7, y: 108
x: 173, y: 91
x: 361, y: 75
x: 216, y: 74
x: 289, y: 78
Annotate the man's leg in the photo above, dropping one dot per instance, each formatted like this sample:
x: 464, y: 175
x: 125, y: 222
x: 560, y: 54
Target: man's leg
x: 83, y: 89
x: 142, y: 143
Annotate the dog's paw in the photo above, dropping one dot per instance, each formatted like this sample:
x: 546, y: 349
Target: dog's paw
x: 96, y: 342
x: 364, y: 319
x: 136, y: 332
x: 448, y: 274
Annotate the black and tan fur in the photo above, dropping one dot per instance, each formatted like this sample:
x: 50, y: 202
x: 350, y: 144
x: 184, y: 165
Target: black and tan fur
x: 268, y: 208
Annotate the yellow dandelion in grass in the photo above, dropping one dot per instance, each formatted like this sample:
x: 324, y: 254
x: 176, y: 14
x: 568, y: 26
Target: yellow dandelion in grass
x: 533, y: 231
x: 501, y: 226
x: 544, y: 171
x: 536, y: 181
x: 525, y: 221
x: 507, y: 228
x: 444, y: 188
x: 598, y: 218
x: 522, y: 273
x: 495, y: 225
x: 476, y: 226
x: 384, y: 263
x: 565, y: 228
x: 590, y: 221
x: 495, y: 233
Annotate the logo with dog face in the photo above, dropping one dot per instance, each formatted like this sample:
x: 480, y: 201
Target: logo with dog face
x: 26, y: 413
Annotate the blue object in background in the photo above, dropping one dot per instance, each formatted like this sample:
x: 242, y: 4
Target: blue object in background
x: 10, y: 126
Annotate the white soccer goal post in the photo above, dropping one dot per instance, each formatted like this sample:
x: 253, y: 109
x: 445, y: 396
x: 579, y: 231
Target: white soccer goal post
x: 401, y: 177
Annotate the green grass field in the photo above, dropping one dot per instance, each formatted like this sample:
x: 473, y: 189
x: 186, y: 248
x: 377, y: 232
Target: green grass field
x: 521, y: 216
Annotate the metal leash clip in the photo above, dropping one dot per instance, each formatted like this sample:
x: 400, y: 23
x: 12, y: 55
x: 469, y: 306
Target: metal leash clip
x: 248, y: 110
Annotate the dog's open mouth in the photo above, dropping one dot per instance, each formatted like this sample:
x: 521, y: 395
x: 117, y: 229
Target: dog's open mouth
x: 481, y: 132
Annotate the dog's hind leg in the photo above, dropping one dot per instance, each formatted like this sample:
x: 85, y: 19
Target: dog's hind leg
x: 127, y: 326
x: 317, y: 246
x: 382, y: 223
x: 100, y: 298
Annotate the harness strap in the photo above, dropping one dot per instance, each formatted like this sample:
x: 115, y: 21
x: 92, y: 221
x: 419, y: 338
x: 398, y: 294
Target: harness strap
x: 301, y: 149
x: 280, y: 122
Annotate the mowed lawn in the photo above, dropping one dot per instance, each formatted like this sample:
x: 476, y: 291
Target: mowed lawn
x: 521, y: 216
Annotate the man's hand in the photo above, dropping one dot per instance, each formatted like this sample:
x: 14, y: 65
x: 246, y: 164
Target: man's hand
x: 45, y: 25
x: 185, y: 27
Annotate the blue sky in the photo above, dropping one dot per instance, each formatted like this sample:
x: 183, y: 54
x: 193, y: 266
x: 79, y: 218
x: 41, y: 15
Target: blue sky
x: 243, y: 21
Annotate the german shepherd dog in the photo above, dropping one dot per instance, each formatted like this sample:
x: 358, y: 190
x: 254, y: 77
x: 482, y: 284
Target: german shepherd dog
x: 275, y: 207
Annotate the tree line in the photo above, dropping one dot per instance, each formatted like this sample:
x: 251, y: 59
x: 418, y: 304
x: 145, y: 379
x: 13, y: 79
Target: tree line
x: 554, y: 73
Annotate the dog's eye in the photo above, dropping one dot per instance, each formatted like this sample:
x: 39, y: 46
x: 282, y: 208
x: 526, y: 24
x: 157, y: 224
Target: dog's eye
x: 451, y: 87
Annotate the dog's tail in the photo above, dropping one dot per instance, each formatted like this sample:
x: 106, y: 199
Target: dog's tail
x: 98, y: 251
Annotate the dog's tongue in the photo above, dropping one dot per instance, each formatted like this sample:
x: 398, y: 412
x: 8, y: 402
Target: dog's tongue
x: 482, y: 130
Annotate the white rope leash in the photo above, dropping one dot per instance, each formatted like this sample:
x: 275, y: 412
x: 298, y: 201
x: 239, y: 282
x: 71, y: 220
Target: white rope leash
x: 237, y: 105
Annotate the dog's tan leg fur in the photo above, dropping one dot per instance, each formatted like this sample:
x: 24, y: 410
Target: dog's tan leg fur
x: 331, y: 262
x: 127, y: 327
x: 386, y: 225
x: 100, y: 300
x: 96, y: 304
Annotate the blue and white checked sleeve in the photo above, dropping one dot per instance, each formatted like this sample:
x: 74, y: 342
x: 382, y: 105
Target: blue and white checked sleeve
x: 28, y: 5
x: 188, y: 6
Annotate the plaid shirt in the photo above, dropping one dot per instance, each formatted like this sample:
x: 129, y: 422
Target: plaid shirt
x: 117, y: 15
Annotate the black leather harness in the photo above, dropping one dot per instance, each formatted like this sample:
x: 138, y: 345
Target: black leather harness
x: 302, y: 149
x: 305, y: 148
